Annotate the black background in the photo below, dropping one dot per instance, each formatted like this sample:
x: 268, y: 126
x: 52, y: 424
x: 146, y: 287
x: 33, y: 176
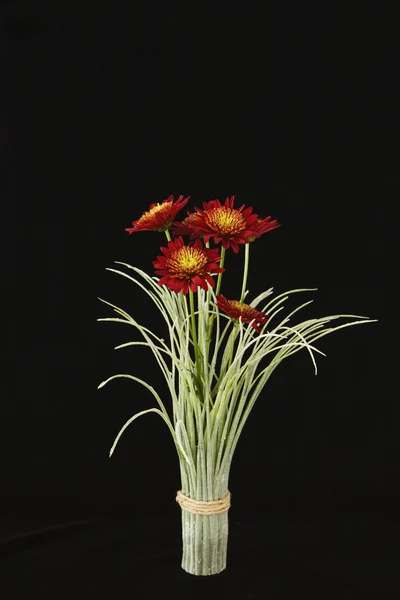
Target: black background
x: 110, y: 109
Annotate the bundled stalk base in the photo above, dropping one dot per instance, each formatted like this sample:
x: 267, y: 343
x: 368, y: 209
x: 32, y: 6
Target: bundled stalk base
x: 205, y: 543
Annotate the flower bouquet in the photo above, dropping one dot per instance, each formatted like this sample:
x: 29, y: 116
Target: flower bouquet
x: 219, y: 355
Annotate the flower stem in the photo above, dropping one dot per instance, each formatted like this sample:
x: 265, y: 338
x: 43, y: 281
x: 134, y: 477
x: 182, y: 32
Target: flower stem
x: 194, y: 331
x: 232, y: 345
x: 246, y: 270
x: 221, y: 264
x: 219, y: 281
x: 167, y: 233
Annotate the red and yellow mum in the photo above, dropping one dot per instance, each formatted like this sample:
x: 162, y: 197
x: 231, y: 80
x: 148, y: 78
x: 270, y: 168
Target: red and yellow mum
x: 160, y: 215
x: 186, y: 227
x: 236, y: 309
x: 185, y: 268
x: 225, y: 224
x: 261, y: 226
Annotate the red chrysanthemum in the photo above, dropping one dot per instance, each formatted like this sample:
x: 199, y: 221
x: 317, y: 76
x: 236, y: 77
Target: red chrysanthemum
x: 236, y: 309
x: 185, y: 268
x: 185, y: 227
x: 225, y: 224
x: 261, y: 226
x: 160, y: 216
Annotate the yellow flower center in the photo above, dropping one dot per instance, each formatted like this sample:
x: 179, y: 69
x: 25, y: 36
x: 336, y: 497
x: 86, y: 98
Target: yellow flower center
x: 187, y: 261
x: 226, y: 221
x: 244, y: 308
x: 190, y: 219
x: 156, y: 209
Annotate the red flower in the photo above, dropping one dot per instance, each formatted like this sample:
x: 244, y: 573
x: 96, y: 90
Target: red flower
x: 160, y: 216
x: 261, y: 226
x: 236, y: 309
x: 224, y: 223
x: 187, y: 267
x: 186, y: 227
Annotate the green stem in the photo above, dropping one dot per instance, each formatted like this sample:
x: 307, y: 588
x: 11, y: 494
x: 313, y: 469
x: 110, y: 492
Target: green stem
x: 219, y: 281
x: 221, y: 264
x: 167, y: 233
x: 232, y: 345
x: 194, y: 331
x: 246, y: 270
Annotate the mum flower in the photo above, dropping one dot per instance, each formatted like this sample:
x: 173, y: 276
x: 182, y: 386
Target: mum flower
x: 186, y: 227
x: 225, y: 224
x: 160, y: 216
x: 185, y: 268
x: 236, y: 309
x: 261, y: 226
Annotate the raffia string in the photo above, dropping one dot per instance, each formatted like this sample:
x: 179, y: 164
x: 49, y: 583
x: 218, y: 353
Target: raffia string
x: 203, y: 507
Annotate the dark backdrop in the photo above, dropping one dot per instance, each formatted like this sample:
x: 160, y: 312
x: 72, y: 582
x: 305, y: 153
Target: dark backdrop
x: 110, y: 109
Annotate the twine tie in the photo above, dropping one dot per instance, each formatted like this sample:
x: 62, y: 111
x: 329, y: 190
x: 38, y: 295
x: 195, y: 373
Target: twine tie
x: 203, y: 507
